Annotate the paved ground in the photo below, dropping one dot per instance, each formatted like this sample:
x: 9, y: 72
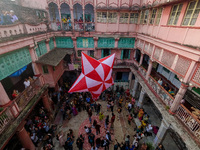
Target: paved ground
x: 121, y: 127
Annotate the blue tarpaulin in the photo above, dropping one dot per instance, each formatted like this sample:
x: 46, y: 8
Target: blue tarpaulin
x: 19, y: 72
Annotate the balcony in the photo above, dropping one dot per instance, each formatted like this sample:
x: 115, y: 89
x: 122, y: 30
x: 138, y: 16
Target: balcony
x: 14, y: 31
x: 24, y: 104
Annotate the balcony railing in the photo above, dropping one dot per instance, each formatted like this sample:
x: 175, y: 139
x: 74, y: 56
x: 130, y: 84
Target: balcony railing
x: 166, y: 98
x: 20, y: 29
x: 19, y: 103
x: 23, y: 99
x: 89, y: 26
x: 189, y: 120
x: 143, y: 71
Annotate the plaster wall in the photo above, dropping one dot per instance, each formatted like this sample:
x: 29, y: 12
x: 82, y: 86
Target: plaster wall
x: 38, y: 4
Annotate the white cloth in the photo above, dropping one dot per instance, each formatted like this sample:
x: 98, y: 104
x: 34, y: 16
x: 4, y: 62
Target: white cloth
x: 27, y: 83
x: 149, y: 128
x: 160, y: 82
x: 87, y: 130
x: 14, y: 18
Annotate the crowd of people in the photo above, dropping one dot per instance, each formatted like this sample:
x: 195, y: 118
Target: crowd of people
x: 8, y: 17
x: 70, y: 104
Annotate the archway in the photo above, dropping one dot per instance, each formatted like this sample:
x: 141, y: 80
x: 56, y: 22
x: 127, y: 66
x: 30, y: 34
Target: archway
x: 89, y: 18
x: 66, y: 16
x: 78, y: 17
x: 53, y: 12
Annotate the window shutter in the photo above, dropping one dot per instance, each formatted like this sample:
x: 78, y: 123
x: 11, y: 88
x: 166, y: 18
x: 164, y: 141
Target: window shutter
x: 102, y: 53
x: 122, y: 54
x: 129, y: 52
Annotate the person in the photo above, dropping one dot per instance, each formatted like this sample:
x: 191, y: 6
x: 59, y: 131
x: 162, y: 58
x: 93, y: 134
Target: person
x: 60, y: 137
x: 75, y: 112
x: 13, y: 16
x: 166, y: 87
x: 112, y: 121
x: 87, y: 130
x: 160, y: 81
x: 69, y: 23
x: 119, y: 110
x: 149, y: 128
x: 79, y: 142
x: 88, y: 99
x: 120, y: 101
x: 7, y: 18
x: 26, y: 83
x: 105, y: 143
x: 117, y: 145
x: 15, y: 94
x: 171, y: 92
x: 98, y: 108
x: 143, y: 147
x: 2, y: 17
x: 90, y: 115
x: 159, y: 147
x: 58, y: 24
x: 30, y: 79
x: 106, y: 121
x: 101, y: 116
x: 130, y: 118
x: 97, y: 127
x: 140, y: 114
x: 91, y: 138
x: 64, y: 21
x: 80, y: 23
x: 98, y: 142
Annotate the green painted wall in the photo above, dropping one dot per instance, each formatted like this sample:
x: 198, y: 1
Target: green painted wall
x: 64, y: 42
x: 84, y: 42
x: 13, y: 61
x: 51, y: 44
x: 41, y: 49
x: 126, y: 42
x: 106, y: 42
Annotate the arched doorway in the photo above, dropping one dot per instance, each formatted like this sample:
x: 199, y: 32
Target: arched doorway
x: 53, y: 12
x: 66, y: 17
x: 89, y: 18
x: 137, y: 55
x: 78, y: 17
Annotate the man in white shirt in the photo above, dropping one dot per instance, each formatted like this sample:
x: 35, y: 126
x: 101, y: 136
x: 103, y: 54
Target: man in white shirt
x: 26, y: 83
x: 13, y: 16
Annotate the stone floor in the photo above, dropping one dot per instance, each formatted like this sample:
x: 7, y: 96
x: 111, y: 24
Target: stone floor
x: 121, y: 127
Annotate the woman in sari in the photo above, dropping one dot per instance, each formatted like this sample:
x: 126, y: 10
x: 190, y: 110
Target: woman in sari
x: 140, y: 114
x: 75, y: 112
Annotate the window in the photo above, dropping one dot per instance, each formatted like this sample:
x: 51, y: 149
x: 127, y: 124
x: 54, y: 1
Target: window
x: 191, y: 13
x: 159, y: 13
x: 144, y: 17
x: 112, y: 17
x: 175, y: 12
x: 153, y: 16
x: 166, y: 70
x: 45, y: 69
x: 105, y: 52
x: 54, y: 68
x: 122, y: 76
x: 125, y: 54
x: 90, y: 53
x: 123, y: 18
x: 134, y: 18
x: 79, y: 53
x: 102, y: 17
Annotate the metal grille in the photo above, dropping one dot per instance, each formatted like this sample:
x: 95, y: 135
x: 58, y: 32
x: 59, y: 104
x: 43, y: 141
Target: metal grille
x: 168, y: 58
x: 157, y: 53
x: 182, y: 65
x: 196, y: 77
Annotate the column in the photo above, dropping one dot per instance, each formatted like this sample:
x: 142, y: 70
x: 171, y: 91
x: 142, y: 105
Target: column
x: 25, y: 139
x: 130, y: 79
x: 60, y: 17
x: 54, y: 41
x: 118, y: 17
x: 46, y: 102
x: 179, y: 96
x: 141, y: 59
x: 33, y: 53
x: 6, y: 102
x: 135, y: 87
x: 73, y: 56
x: 47, y: 44
x: 161, y: 133
x: 72, y: 17
x: 141, y: 98
x: 95, y: 18
x: 83, y: 19
x: 116, y: 42
x: 149, y: 69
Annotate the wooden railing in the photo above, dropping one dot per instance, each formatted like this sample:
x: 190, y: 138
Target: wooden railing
x: 23, y: 99
x: 189, y: 120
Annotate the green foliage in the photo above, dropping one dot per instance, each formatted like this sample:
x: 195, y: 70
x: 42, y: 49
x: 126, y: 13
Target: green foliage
x: 150, y: 146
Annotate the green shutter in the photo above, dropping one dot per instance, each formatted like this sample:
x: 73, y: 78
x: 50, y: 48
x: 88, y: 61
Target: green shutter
x: 129, y: 53
x: 51, y: 44
x: 13, y: 61
x: 102, y: 53
x: 122, y: 54
x: 106, y: 42
x: 41, y: 48
x: 109, y: 52
x: 84, y: 42
x: 126, y: 42
x: 64, y: 42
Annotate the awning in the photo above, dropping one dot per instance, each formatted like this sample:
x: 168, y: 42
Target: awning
x: 19, y: 72
x: 54, y: 57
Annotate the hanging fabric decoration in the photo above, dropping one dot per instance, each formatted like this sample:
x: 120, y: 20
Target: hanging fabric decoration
x: 96, y: 75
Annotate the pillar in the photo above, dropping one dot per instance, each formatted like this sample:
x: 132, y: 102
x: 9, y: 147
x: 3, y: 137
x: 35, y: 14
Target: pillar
x: 46, y: 103
x: 25, y: 139
x: 72, y: 17
x: 61, y: 25
x: 33, y: 53
x: 116, y: 42
x: 179, y: 96
x: 47, y: 45
x: 141, y: 59
x: 135, y: 87
x: 54, y: 42
x: 95, y: 18
x: 6, y: 102
x: 141, y: 98
x: 130, y: 79
x: 161, y: 133
x: 84, y: 19
x: 149, y: 69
